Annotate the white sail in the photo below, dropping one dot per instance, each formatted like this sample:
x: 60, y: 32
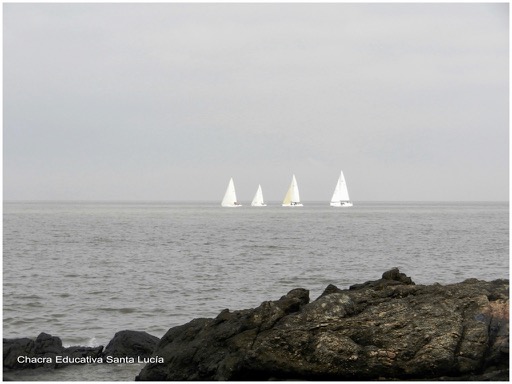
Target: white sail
x: 258, y: 199
x: 292, y: 198
x: 340, y: 196
x: 229, y: 199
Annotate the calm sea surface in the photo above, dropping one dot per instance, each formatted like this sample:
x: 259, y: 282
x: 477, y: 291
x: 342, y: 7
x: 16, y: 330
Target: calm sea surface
x: 83, y: 271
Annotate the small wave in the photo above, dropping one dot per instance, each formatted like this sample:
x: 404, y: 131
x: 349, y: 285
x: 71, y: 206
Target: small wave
x: 58, y: 315
x: 21, y: 322
x: 93, y: 343
x: 120, y: 310
x: 96, y: 292
x: 259, y: 246
x: 34, y: 304
x: 127, y: 310
x: 23, y: 297
x: 99, y: 240
x: 81, y: 342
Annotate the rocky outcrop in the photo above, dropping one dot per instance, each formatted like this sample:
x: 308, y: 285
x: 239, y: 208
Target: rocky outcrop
x: 131, y: 344
x: 386, y: 329
x: 45, y: 351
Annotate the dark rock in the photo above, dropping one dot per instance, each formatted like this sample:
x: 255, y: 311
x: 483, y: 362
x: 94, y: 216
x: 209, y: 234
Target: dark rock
x: 391, y: 277
x: 330, y: 289
x: 386, y: 329
x: 47, y: 351
x: 23, y: 353
x: 131, y: 344
x: 395, y: 275
x: 12, y: 348
x: 46, y: 343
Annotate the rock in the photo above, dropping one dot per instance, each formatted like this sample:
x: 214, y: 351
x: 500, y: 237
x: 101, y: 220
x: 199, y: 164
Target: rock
x: 391, y: 277
x: 395, y: 275
x: 131, y: 344
x: 23, y: 353
x: 12, y: 348
x: 386, y: 329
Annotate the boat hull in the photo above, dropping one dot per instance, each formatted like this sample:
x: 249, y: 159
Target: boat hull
x: 341, y: 204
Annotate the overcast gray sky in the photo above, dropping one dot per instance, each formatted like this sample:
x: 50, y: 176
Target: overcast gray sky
x: 168, y: 101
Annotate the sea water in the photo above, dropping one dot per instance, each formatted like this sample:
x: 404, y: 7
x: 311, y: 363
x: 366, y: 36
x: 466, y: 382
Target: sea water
x: 84, y: 271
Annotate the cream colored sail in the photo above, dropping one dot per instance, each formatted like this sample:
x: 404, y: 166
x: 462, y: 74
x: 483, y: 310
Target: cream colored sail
x: 258, y: 199
x: 229, y: 199
x: 292, y: 198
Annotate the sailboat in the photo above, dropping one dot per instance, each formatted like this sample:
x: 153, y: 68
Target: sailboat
x: 292, y: 198
x: 229, y: 199
x: 340, y: 196
x: 258, y: 198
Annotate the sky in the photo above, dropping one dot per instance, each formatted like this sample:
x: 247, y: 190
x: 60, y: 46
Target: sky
x: 168, y: 101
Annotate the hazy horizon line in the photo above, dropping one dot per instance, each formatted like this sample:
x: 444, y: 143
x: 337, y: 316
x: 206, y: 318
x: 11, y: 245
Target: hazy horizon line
x: 218, y: 201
